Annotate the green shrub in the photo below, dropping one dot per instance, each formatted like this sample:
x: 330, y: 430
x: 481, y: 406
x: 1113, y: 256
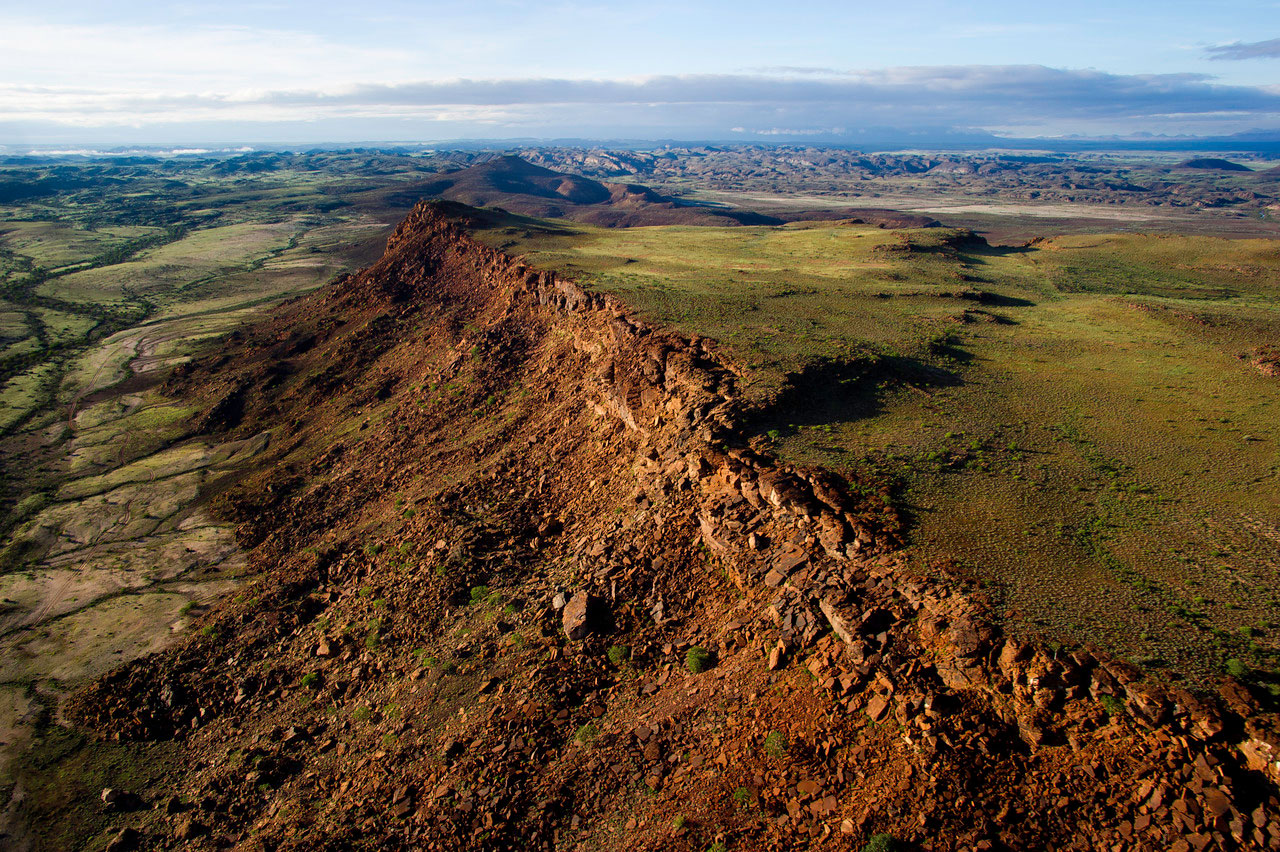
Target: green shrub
x: 30, y: 505
x: 361, y: 713
x: 373, y: 638
x: 698, y: 659
x: 618, y: 654
x: 311, y: 680
x: 882, y: 843
x: 1114, y: 706
x: 679, y: 822
x: 586, y: 734
x: 776, y: 745
x: 743, y: 797
x: 1237, y: 668
x: 479, y: 594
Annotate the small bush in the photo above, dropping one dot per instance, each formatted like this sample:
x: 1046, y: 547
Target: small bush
x: 743, y: 797
x: 29, y: 506
x: 698, y: 659
x: 776, y: 745
x: 361, y: 714
x: 479, y: 594
x: 679, y: 822
x: 618, y: 654
x: 1114, y: 706
x: 718, y: 846
x: 882, y: 843
x: 1237, y: 668
x: 311, y: 680
x: 586, y: 734
x: 373, y: 638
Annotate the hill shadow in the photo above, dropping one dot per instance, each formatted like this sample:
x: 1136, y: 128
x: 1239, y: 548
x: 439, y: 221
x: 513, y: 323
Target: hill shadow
x: 831, y: 391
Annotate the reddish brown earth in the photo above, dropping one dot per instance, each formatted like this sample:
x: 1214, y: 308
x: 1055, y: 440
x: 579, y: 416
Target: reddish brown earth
x: 450, y: 419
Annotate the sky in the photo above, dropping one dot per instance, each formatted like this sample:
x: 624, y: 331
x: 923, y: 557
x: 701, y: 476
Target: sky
x: 232, y: 72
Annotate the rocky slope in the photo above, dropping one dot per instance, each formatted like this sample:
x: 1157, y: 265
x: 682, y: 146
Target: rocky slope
x: 526, y: 585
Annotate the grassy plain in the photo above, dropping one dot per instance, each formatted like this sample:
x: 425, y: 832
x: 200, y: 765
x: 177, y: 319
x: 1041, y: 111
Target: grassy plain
x: 1076, y: 422
x: 106, y: 550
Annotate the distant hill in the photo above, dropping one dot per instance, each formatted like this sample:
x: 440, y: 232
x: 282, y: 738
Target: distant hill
x: 521, y: 187
x: 518, y: 186
x: 1212, y: 164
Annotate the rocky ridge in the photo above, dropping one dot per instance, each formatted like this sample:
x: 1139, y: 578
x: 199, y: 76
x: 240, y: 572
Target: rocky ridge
x: 840, y: 696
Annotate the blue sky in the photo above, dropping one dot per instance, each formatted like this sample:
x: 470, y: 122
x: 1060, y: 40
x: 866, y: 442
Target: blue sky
x: 329, y: 71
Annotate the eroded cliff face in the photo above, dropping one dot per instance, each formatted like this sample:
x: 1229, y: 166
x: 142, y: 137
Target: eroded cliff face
x: 498, y: 519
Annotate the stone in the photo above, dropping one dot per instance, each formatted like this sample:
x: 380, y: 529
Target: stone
x: 576, y: 616
x: 114, y: 799
x: 775, y: 657
x: 126, y: 841
x: 1216, y: 802
x: 877, y: 707
x: 839, y: 626
x: 965, y: 638
x: 188, y: 828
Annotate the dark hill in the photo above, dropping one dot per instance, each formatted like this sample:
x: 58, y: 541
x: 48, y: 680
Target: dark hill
x: 1212, y: 164
x: 515, y: 185
x: 521, y: 187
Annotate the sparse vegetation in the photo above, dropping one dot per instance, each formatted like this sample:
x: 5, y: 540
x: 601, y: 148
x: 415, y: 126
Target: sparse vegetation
x: 698, y: 659
x: 776, y: 745
x: 882, y: 843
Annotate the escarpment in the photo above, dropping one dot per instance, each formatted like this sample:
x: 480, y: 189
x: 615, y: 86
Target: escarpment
x: 525, y: 585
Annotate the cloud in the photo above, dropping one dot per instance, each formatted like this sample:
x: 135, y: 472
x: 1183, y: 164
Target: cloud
x: 1269, y: 49
x: 1016, y: 99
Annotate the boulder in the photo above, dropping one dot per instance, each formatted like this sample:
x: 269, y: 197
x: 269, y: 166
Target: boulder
x: 581, y: 616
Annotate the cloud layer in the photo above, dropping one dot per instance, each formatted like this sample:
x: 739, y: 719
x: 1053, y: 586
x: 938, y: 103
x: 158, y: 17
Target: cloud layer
x: 1012, y: 99
x: 1269, y: 49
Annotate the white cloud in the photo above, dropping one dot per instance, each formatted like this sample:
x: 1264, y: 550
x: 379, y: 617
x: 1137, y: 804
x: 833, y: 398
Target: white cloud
x: 1019, y: 99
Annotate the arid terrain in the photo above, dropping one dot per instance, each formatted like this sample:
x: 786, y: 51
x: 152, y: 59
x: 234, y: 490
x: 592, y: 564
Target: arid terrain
x: 714, y: 498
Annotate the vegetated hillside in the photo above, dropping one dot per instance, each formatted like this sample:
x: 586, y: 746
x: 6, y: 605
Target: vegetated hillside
x: 1088, y: 422
x: 525, y: 586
